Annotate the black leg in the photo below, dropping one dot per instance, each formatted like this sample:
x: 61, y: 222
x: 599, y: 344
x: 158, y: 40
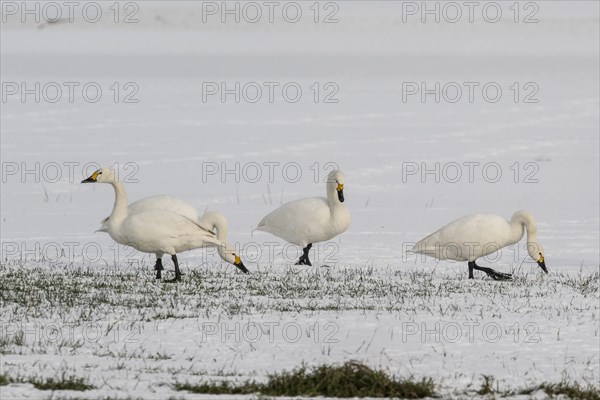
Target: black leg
x: 158, y: 267
x: 177, y: 271
x: 471, y: 266
x: 304, y: 257
x: 498, y: 276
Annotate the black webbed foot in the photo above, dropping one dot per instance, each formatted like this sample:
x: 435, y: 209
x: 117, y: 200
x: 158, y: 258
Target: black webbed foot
x: 303, y: 261
x: 498, y: 276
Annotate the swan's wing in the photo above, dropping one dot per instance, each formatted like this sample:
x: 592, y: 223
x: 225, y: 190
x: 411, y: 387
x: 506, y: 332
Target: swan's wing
x: 204, y: 230
x: 470, y: 232
x: 300, y: 221
x: 157, y: 225
x: 171, y: 204
x: 295, y: 212
x: 166, y: 203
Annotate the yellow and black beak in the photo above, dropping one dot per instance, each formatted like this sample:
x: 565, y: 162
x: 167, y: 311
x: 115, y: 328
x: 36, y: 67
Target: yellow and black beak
x: 340, y: 190
x: 93, y: 178
x: 238, y: 263
x: 542, y: 263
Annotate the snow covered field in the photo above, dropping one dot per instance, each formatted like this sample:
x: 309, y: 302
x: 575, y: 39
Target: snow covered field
x: 72, y: 302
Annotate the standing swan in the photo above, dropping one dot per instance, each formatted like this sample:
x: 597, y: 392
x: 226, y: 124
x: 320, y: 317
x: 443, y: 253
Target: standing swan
x: 310, y: 220
x: 478, y: 235
x: 155, y: 230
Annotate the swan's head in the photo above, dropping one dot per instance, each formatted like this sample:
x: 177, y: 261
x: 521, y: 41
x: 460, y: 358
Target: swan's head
x: 232, y: 257
x: 536, y: 252
x: 103, y: 175
x: 336, y: 179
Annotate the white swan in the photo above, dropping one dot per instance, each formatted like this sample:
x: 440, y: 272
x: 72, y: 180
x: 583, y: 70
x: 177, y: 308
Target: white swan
x: 478, y: 235
x: 210, y: 221
x: 310, y: 220
x: 159, y: 230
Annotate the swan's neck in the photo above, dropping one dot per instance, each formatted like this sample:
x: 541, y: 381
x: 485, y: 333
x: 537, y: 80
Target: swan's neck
x: 219, y: 223
x: 119, y: 211
x: 332, y: 197
x: 221, y: 231
x: 519, y: 222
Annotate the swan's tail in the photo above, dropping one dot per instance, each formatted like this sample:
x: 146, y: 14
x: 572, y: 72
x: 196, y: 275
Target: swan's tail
x: 421, y: 249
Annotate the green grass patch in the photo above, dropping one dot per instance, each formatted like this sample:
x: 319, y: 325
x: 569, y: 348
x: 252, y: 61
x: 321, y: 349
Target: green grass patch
x: 570, y: 390
x: 4, y: 380
x: 64, y: 382
x: 53, y: 397
x: 487, y: 387
x: 223, y: 387
x: 348, y: 380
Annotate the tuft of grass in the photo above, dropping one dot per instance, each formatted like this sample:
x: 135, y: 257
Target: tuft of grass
x: 351, y: 379
x: 64, y: 382
x: 5, y: 380
x: 570, y: 390
x: 159, y: 356
x: 53, y: 397
x: 223, y: 387
x: 487, y: 387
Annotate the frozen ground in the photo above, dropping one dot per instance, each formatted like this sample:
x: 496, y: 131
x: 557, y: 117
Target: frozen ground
x: 128, y: 335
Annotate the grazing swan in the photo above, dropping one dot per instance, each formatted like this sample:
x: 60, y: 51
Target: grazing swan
x: 158, y: 231
x: 210, y: 221
x: 310, y: 220
x: 478, y: 235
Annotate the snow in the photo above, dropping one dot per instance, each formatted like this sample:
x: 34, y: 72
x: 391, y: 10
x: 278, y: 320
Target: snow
x: 171, y: 141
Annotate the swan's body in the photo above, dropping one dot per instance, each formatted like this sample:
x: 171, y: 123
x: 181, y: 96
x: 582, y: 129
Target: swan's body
x: 477, y: 235
x: 160, y: 232
x: 211, y: 221
x: 150, y: 226
x: 310, y: 220
x: 173, y: 204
